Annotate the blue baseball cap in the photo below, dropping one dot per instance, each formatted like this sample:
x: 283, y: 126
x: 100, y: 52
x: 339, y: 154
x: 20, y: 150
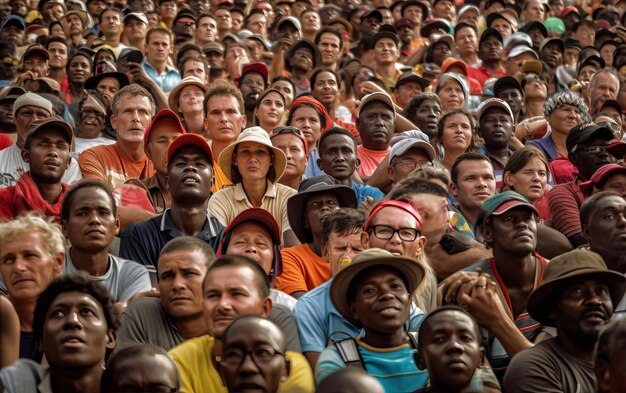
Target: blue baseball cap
x: 13, y: 19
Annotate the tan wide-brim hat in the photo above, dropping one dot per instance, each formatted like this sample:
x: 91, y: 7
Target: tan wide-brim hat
x: 172, y: 100
x: 255, y: 135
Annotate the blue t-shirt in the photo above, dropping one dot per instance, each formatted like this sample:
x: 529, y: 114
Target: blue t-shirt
x: 312, y: 169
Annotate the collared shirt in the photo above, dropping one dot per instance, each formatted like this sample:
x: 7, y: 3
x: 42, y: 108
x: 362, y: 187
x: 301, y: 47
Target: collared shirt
x: 143, y: 241
x: 12, y: 166
x: 482, y: 74
x: 498, y: 167
x: 167, y: 80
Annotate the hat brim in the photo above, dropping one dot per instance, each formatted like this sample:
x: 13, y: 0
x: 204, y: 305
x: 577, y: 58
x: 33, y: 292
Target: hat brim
x: 540, y: 299
x: 296, y: 207
x: 410, y: 268
x: 317, y: 55
x: 93, y: 81
x: 225, y: 160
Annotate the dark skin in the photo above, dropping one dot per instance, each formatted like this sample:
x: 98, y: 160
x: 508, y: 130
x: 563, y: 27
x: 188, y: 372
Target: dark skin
x: 490, y: 52
x: 588, y: 162
x: 496, y: 128
x: 606, y: 231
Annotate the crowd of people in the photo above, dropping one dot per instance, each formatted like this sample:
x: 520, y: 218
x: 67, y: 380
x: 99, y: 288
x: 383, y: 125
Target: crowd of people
x: 303, y: 196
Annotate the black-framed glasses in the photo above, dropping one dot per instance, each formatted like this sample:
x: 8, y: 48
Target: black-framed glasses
x: 233, y: 357
x: 286, y: 130
x: 385, y: 232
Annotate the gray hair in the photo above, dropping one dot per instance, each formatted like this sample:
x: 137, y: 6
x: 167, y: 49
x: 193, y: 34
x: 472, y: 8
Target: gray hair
x: 594, y: 77
x: 132, y: 90
x: 32, y: 222
x: 566, y: 98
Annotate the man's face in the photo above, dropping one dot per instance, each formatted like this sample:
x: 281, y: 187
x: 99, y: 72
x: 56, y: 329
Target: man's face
x: 293, y: 148
x: 111, y: 23
x: 451, y: 348
x: 72, y: 25
x: 382, y: 301
x: 475, y: 183
x: 616, y: 184
x: 552, y: 55
x: 224, y: 20
x: 231, y: 291
x: 316, y: 209
x: 135, y: 29
x: 534, y: 11
x: 132, y: 118
x: 514, y: 231
x: 434, y: 212
x: 27, y: 114
x: 339, y: 247
x: 91, y: 224
x: 513, y: 97
x: 253, y: 240
x: 207, y: 30
x: 252, y: 84
x: 52, y: 12
x: 48, y: 156
x: 414, y: 13
x: 386, y: 51
x: 590, y: 156
x: 490, y: 49
x: 257, y: 24
x: 582, y: 309
x: 236, y: 21
x: 168, y: 10
x: 58, y: 55
x: 108, y: 87
x: 405, y: 92
x: 96, y: 7
x: 604, y: 88
x: 79, y: 69
x: 330, y: 46
x: 427, y: 117
x: 444, y: 9
x: 190, y: 175
x: 75, y: 332
x: 224, y: 120
x: 311, y: 21
x: 215, y: 60
x: 606, y: 227
x: 36, y: 64
x: 7, y: 122
x: 586, y: 35
x: 496, y: 128
x: 607, y: 53
x: 180, y: 283
x: 376, y: 125
x: 406, y: 34
x: 503, y: 26
x: 159, y: 48
x: 536, y: 37
x: 570, y: 56
x: 326, y: 89
x: 194, y: 68
x: 264, y: 369
x: 441, y: 51
x: 27, y: 267
x: 338, y: 157
x: 403, y: 165
x: 302, y: 59
x: 141, y: 373
x: 396, y: 219
x: 184, y: 26
x: 12, y: 34
x: 307, y: 119
x: 369, y: 26
x: 190, y: 99
x: 161, y: 135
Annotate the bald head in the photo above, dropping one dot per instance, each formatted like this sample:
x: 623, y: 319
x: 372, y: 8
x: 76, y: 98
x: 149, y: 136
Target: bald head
x: 350, y: 380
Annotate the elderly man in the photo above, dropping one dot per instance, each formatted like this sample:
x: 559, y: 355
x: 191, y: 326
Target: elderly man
x: 27, y: 108
x: 604, y: 85
x: 75, y: 324
x: 196, y: 358
x: 31, y: 256
x: 411, y: 150
x: 577, y: 297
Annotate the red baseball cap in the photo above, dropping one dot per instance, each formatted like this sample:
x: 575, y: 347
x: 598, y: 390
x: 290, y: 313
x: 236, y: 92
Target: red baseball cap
x: 163, y: 114
x: 187, y: 140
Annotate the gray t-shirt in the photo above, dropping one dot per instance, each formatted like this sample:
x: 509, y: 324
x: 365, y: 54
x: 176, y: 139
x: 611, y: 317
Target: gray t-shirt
x: 123, y: 279
x: 145, y: 321
x: 25, y: 375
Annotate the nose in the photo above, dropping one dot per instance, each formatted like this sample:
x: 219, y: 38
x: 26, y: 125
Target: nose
x: 179, y: 283
x: 454, y: 347
x: 71, y: 320
x: 247, y: 365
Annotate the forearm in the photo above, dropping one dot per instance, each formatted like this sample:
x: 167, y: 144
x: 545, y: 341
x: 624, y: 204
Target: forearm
x: 403, y: 124
x: 509, y: 336
x: 445, y: 264
x: 278, y: 64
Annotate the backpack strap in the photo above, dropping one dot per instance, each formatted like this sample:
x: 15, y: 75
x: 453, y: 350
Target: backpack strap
x: 349, y: 352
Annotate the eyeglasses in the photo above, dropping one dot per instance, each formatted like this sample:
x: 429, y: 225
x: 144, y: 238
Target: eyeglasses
x: 611, y: 126
x: 593, y: 149
x: 411, y: 164
x: 385, y: 232
x: 286, y: 130
x: 233, y: 357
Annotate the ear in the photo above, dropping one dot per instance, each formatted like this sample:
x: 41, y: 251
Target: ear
x: 572, y: 157
x: 486, y: 231
x: 244, y: 119
x: 391, y: 173
x: 353, y: 313
x: 64, y: 227
x: 287, y: 370
x: 117, y: 226
x: 365, y: 240
x: 59, y: 260
x: 508, y: 179
x: 110, y: 339
x: 358, y: 161
x: 420, y: 246
x: 421, y: 363
x: 325, y: 252
x: 267, y: 307
x: 453, y: 189
x: 167, y: 182
x: 25, y: 155
x: 113, y: 122
x: 319, y: 164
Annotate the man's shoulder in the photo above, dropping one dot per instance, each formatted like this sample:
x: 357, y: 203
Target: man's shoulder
x: 145, y: 308
x: 150, y: 225
x: 193, y: 348
x: 22, y: 376
x: 100, y: 149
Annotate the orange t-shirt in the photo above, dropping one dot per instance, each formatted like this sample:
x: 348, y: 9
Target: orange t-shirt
x: 219, y: 178
x: 303, y: 270
x: 370, y: 159
x: 112, y: 166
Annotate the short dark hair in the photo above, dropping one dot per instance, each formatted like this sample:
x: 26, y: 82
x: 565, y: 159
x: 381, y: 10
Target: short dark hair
x: 410, y: 110
x: 50, y: 40
x: 263, y: 283
x: 590, y: 204
x: 356, y: 280
x: 294, y: 108
x: 611, y: 340
x: 411, y: 186
x: 189, y: 243
x: 75, y: 282
x: 119, y: 12
x: 432, y: 172
x: 223, y: 88
x: 284, y: 78
x: 343, y: 221
x: 70, y: 194
x: 77, y: 54
x: 197, y: 59
x: 520, y: 158
x: 454, y: 172
x: 158, y: 29
x: 336, y: 131
x: 319, y: 70
x: 332, y: 30
x: 439, y: 310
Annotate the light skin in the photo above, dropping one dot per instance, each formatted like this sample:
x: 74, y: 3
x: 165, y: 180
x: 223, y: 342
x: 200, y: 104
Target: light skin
x: 134, y: 115
x: 530, y: 181
x: 330, y: 47
x: 24, y: 116
x: 456, y: 137
x: 475, y: 183
x: 223, y: 122
x: 307, y: 119
x: 294, y: 150
x: 339, y: 247
x: 158, y: 49
x: 403, y: 165
x: 451, y: 95
x: 271, y: 110
x: 163, y: 132
x: 395, y: 218
x: 108, y: 87
x: 254, y: 241
x: 604, y: 87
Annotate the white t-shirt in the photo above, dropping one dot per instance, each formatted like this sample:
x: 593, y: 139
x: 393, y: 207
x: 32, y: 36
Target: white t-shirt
x: 12, y: 166
x: 82, y: 144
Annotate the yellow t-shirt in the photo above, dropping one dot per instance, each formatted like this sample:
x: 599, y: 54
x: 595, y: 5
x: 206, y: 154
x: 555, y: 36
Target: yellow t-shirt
x: 197, y: 374
x: 220, y: 179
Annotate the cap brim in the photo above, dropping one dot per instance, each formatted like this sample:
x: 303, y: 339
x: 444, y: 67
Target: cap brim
x: 259, y: 215
x: 512, y: 204
x: 93, y: 81
x: 226, y: 158
x: 188, y: 139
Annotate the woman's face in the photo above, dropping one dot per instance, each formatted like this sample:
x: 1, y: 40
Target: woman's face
x: 271, y: 110
x: 253, y: 160
x: 530, y: 181
x: 307, y: 119
x: 79, y: 70
x: 286, y: 88
x: 451, y: 95
x: 457, y: 133
x: 190, y: 99
x: 564, y: 118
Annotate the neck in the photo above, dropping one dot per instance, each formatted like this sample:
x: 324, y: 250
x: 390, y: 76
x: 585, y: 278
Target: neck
x: 492, y: 66
x: 58, y: 74
x: 217, y: 147
x: 194, y: 121
x: 501, y: 153
x: 516, y: 271
x: 316, y: 245
x: 189, y: 217
x: 134, y: 151
x: 255, y: 190
x: 345, y: 181
x: 449, y: 158
x: 114, y: 41
x: 614, y: 259
x: 138, y: 43
x: 471, y: 215
x: 193, y: 326
x: 300, y: 76
x: 76, y: 40
x: 309, y: 35
x: 443, y: 387
x: 534, y: 108
x: 91, y: 134
x: 580, y: 349
x: 293, y: 182
x: 385, y: 340
x: 470, y: 58
x: 73, y: 380
x: 386, y: 70
x: 25, y: 309
x: 50, y: 192
x: 559, y: 141
x: 77, y: 89
x: 95, y: 264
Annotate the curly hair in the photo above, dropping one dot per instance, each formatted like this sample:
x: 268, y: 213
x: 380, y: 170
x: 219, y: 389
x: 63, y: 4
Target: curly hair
x: 410, y: 110
x: 557, y: 100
